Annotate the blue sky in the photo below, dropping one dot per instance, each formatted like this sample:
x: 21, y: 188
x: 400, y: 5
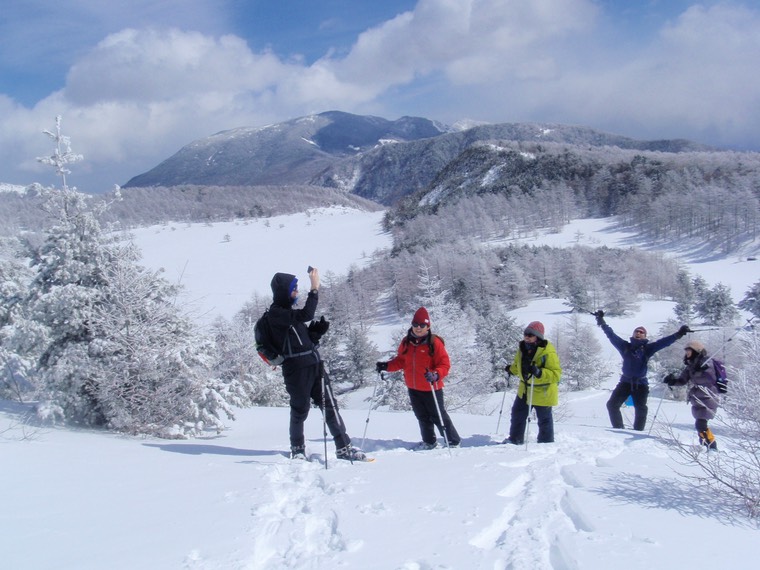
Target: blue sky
x: 136, y: 80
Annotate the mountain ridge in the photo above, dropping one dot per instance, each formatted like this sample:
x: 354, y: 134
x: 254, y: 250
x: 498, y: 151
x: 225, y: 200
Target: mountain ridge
x: 370, y: 156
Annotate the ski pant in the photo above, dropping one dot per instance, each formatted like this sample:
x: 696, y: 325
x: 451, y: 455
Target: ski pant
x: 639, y: 391
x: 304, y: 385
x: 427, y: 416
x: 519, y: 418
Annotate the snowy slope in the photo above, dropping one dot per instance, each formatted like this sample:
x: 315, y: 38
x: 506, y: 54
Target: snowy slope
x: 221, y: 265
x: 596, y: 499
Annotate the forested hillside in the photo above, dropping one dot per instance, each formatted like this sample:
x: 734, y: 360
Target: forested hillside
x: 709, y: 198
x: 132, y: 207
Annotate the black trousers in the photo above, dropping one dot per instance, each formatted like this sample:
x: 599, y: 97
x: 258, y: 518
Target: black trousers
x: 519, y: 418
x: 640, y: 393
x: 427, y: 416
x: 304, y: 385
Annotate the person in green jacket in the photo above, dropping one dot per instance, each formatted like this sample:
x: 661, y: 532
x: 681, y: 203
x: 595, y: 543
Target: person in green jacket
x: 537, y: 367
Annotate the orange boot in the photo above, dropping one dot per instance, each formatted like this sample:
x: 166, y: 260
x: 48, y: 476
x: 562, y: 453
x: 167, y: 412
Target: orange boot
x: 707, y: 439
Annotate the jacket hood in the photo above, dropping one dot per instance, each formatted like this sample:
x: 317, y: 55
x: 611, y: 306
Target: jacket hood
x: 281, y: 288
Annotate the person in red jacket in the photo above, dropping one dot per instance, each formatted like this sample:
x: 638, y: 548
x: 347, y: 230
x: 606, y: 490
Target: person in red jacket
x: 423, y: 358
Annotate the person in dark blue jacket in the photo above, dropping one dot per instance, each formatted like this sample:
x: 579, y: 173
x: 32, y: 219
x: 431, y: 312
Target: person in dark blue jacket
x: 636, y: 353
x: 303, y: 369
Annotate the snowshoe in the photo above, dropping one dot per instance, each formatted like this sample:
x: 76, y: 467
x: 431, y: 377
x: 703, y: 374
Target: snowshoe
x: 511, y: 441
x: 425, y: 446
x: 350, y: 453
x: 298, y: 452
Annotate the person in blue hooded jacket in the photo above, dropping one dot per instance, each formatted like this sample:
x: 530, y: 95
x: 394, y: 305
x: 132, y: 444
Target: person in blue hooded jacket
x: 633, y: 382
x: 303, y: 369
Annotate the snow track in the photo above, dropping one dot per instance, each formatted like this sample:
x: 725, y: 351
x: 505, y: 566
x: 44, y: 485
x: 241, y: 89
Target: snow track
x: 297, y: 513
x: 309, y: 517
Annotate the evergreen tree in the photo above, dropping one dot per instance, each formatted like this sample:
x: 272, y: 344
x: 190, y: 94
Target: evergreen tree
x: 716, y: 306
x: 751, y: 300
x: 685, y: 297
x: 18, y: 336
x: 115, y: 352
x: 497, y: 335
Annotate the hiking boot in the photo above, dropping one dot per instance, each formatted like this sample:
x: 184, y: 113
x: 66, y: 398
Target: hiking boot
x: 454, y: 445
x: 511, y: 441
x: 425, y: 446
x: 350, y: 453
x: 707, y: 439
x: 298, y: 452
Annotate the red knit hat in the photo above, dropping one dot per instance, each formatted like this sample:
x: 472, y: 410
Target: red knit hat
x: 536, y: 328
x: 421, y: 316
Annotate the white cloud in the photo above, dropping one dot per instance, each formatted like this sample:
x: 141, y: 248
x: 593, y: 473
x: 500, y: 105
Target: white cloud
x: 472, y: 42
x: 142, y: 93
x: 159, y: 65
x: 698, y: 79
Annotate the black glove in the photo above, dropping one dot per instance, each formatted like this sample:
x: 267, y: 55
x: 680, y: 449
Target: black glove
x: 535, y: 370
x: 381, y: 366
x: 600, y: 318
x: 319, y: 327
x: 683, y: 330
x: 431, y: 377
x: 670, y: 379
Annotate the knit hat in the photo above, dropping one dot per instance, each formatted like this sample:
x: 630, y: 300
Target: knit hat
x: 421, y: 316
x: 640, y: 328
x: 696, y: 346
x: 536, y: 328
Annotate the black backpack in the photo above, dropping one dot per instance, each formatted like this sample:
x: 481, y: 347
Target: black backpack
x: 262, y: 334
x: 268, y: 351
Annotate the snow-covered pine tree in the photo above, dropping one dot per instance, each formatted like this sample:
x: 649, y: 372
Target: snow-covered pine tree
x: 18, y: 335
x: 116, y: 351
x: 751, y: 300
x: 147, y: 361
x: 685, y: 297
x: 716, y: 307
x: 497, y: 336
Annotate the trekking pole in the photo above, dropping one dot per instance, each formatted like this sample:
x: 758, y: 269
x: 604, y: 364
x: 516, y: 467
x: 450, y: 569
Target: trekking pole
x: 440, y: 417
x: 729, y: 339
x: 504, y: 397
x: 324, y: 414
x: 530, y: 405
x: 371, y: 402
x: 338, y: 418
x: 657, y: 411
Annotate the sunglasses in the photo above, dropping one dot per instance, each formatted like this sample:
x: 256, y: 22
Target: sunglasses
x: 639, y: 331
x: 529, y: 335
x: 419, y: 325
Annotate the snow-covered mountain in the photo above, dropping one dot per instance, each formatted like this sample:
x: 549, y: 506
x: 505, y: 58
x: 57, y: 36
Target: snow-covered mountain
x: 372, y: 157
x: 292, y: 152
